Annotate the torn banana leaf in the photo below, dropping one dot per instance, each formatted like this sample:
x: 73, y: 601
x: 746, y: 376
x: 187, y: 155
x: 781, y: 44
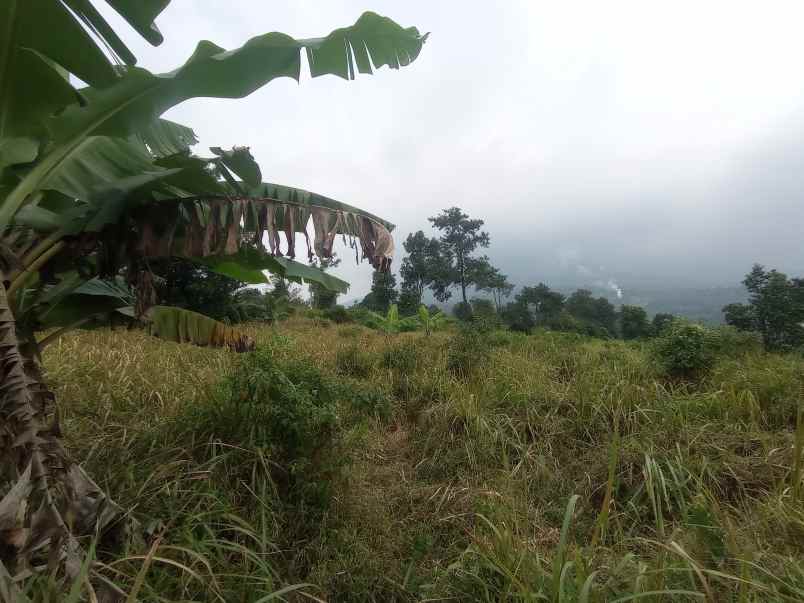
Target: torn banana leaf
x: 184, y: 326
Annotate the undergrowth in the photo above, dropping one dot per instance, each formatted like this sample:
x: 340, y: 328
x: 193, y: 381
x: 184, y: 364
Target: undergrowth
x: 348, y: 465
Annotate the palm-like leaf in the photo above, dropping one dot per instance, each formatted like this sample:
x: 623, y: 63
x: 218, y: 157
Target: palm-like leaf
x: 184, y: 326
x: 137, y: 98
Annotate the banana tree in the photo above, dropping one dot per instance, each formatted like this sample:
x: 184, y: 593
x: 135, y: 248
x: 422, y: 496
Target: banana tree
x: 94, y: 185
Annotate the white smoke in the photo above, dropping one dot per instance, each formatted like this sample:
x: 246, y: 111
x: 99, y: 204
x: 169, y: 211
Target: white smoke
x: 615, y: 287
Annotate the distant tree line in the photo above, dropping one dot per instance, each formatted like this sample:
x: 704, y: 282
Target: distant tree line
x: 450, y: 263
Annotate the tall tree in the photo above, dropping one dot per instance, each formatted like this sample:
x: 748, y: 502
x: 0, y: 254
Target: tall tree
x: 634, y: 322
x: 460, y: 237
x: 383, y: 292
x: 417, y: 266
x: 775, y: 308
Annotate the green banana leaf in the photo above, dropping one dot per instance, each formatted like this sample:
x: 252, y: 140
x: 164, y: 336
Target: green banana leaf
x: 139, y: 97
x: 250, y: 264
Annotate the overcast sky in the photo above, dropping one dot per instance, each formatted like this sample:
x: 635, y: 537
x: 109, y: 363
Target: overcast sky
x: 627, y: 140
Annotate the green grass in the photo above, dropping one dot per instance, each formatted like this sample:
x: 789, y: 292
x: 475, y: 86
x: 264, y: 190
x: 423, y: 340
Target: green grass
x: 546, y: 467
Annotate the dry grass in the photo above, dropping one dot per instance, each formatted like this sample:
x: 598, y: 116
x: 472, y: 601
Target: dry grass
x: 461, y: 493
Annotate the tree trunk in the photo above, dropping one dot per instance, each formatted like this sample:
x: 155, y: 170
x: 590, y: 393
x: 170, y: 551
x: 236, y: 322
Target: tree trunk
x: 47, y: 502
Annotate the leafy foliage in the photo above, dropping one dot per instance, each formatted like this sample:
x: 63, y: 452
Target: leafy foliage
x: 383, y: 292
x: 460, y: 237
x: 634, y: 323
x: 686, y: 349
x: 775, y: 309
x: 353, y: 361
x: 468, y: 351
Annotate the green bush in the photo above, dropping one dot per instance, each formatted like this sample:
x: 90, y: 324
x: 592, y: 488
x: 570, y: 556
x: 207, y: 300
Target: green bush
x: 354, y: 361
x: 462, y: 311
x: 733, y: 343
x: 350, y: 332
x: 409, y: 324
x: 402, y: 357
x: 468, y: 350
x: 338, y: 315
x: 686, y: 349
x: 286, y: 409
x: 371, y: 401
x: 365, y: 317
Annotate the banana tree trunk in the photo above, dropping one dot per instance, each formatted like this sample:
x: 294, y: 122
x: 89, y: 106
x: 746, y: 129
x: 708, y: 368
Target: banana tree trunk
x: 47, y: 502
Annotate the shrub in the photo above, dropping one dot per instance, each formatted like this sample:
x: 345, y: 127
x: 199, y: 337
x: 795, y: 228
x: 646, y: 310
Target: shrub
x: 518, y: 317
x: 354, y: 361
x: 468, y: 351
x: 350, y: 332
x: 287, y: 409
x: 462, y: 311
x: 403, y: 357
x: 686, y: 349
x: 500, y: 338
x: 409, y: 324
x: 731, y: 342
x: 338, y: 315
x: 371, y: 401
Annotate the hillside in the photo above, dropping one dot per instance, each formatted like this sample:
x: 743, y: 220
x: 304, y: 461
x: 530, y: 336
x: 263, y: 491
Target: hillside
x: 363, y: 467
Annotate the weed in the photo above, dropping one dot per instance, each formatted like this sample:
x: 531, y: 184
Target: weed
x: 354, y: 361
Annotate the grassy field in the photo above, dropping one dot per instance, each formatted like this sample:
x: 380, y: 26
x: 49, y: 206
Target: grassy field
x: 454, y: 467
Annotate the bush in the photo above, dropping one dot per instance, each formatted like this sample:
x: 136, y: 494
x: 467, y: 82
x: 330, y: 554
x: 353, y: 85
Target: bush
x: 371, y: 401
x: 686, y: 349
x: 353, y: 361
x: 350, y: 332
x: 462, y: 311
x: 402, y: 357
x: 409, y: 324
x: 468, y: 351
x: 518, y: 317
x: 733, y: 343
x: 287, y: 409
x: 338, y: 315
x: 365, y: 317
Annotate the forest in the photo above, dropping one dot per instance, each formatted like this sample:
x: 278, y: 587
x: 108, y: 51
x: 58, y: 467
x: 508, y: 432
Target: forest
x: 187, y: 412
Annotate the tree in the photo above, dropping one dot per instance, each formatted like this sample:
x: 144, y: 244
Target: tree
x: 94, y: 187
x: 740, y: 316
x: 321, y: 296
x: 518, y: 317
x: 775, y: 308
x: 460, y: 237
x: 421, y: 263
x: 383, y: 292
x: 495, y: 282
x: 544, y: 303
x: 595, y: 312
x: 409, y: 301
x: 197, y: 288
x: 660, y: 322
x: 634, y: 322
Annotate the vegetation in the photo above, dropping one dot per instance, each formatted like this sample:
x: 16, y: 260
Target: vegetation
x: 584, y: 453
x: 94, y: 187
x: 411, y: 480
x: 775, y: 309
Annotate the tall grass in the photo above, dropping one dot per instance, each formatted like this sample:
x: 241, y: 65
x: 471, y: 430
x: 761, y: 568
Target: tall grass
x: 545, y: 467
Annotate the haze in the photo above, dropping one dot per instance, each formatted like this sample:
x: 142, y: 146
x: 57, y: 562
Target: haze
x: 628, y: 140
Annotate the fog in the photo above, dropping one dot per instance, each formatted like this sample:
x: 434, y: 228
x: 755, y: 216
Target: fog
x: 634, y: 141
